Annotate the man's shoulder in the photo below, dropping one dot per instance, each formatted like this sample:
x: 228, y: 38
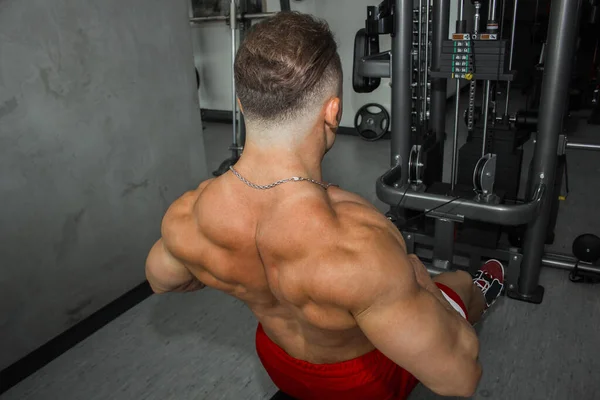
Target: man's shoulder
x: 178, y: 225
x: 335, y: 250
x: 340, y: 217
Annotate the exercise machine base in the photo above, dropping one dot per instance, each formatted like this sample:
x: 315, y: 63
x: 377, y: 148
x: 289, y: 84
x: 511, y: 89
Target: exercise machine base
x: 535, y: 298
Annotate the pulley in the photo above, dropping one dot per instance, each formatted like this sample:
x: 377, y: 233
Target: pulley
x: 484, y: 175
x: 416, y: 165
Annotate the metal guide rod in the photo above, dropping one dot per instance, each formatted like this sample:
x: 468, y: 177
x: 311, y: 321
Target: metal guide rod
x: 223, y: 18
x: 459, y: 26
x: 562, y: 36
x: 439, y: 86
x: 510, y: 57
x: 487, y: 86
x: 402, y: 70
x: 477, y: 17
x: 547, y: 261
x: 583, y: 146
x: 492, y: 11
x: 426, y: 80
x: 242, y: 30
x: 455, y: 136
x: 486, y: 110
x: 420, y: 84
x: 473, y: 84
x: 233, y: 22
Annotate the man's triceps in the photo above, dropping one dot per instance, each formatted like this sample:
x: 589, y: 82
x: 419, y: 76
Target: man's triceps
x: 413, y: 328
x: 167, y: 274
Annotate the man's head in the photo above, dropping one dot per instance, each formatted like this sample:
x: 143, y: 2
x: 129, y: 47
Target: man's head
x: 289, y: 80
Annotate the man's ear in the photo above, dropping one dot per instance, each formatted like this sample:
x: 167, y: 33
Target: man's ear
x: 240, y: 104
x: 333, y: 112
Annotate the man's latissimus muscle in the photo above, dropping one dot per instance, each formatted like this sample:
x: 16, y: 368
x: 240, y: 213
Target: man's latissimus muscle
x: 368, y: 273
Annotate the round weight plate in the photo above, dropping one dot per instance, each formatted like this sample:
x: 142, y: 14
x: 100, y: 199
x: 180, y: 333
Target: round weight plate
x: 372, y: 121
x: 587, y: 248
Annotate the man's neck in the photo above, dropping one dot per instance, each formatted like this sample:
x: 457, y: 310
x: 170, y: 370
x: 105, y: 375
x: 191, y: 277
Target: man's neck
x: 269, y: 164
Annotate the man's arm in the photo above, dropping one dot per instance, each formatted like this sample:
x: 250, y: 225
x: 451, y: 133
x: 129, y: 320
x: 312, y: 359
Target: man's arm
x: 419, y: 333
x: 375, y: 280
x: 167, y: 274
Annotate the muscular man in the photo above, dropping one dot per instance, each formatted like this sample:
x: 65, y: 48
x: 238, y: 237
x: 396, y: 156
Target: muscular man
x: 344, y: 312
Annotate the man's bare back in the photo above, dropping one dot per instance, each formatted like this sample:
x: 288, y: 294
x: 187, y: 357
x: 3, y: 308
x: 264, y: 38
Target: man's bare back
x: 325, y: 273
x: 277, y: 254
x: 344, y: 311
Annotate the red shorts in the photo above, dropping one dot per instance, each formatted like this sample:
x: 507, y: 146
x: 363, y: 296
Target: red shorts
x: 371, y: 376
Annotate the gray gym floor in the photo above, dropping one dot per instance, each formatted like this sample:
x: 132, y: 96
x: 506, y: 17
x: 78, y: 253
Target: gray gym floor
x: 200, y: 346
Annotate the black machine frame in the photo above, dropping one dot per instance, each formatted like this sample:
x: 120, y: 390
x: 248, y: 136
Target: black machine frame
x: 419, y: 73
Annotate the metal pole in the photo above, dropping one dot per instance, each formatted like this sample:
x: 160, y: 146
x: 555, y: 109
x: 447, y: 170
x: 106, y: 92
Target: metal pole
x: 459, y: 25
x: 245, y: 24
x: 473, y: 84
x: 211, y: 18
x: 562, y: 35
x: 455, y: 136
x: 233, y: 22
x: 547, y: 262
x: 492, y: 27
x: 401, y: 90
x: 568, y: 264
x: 583, y: 146
x: 439, y: 87
x: 477, y: 17
x: 492, y: 11
x: 223, y: 18
x: 510, y: 58
x: 426, y: 80
x: 486, y: 111
x: 420, y: 83
x: 258, y: 15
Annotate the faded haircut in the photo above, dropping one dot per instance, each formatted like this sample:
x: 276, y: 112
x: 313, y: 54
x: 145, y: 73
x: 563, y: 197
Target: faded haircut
x: 287, y: 66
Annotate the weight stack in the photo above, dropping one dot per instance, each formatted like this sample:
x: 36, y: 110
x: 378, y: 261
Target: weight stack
x: 501, y: 139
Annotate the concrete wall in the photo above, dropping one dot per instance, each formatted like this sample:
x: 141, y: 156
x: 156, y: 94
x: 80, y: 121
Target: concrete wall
x: 99, y: 132
x: 212, y: 49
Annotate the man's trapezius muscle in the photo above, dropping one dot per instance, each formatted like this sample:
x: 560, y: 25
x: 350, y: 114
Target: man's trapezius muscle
x: 343, y: 311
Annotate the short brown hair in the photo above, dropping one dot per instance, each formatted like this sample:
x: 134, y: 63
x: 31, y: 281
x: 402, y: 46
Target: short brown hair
x: 285, y: 63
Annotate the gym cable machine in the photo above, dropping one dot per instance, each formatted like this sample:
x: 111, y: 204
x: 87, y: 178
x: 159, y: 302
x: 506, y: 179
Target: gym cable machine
x: 480, y: 196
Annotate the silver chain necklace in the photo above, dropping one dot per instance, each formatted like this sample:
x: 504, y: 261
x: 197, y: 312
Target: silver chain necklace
x: 279, y: 182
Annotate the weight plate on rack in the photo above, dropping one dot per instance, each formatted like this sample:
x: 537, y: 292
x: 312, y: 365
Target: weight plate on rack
x: 372, y: 121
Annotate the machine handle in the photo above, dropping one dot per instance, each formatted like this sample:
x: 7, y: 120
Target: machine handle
x: 501, y: 214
